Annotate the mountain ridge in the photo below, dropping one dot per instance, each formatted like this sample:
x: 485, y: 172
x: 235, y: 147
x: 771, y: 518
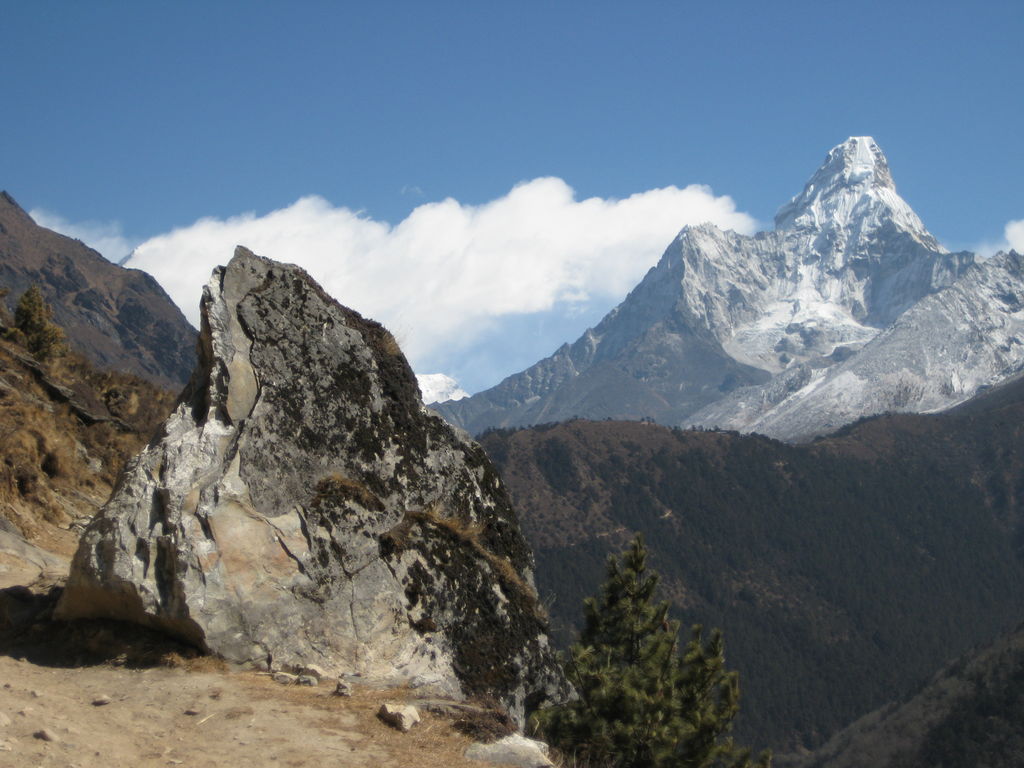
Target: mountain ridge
x: 119, y: 318
x: 764, y: 314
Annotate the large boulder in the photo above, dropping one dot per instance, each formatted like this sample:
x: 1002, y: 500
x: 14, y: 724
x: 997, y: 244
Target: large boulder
x: 302, y: 507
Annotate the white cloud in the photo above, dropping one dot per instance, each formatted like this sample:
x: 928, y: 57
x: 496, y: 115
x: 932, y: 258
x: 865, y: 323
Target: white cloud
x: 1013, y: 238
x: 1015, y: 235
x: 443, y: 276
x: 106, y: 237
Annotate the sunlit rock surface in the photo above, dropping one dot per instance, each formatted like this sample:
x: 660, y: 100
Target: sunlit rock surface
x: 301, y: 506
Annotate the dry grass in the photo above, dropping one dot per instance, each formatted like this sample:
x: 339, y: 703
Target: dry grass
x: 469, y: 532
x: 212, y: 664
x: 336, y: 489
x: 389, y: 344
x: 57, y: 466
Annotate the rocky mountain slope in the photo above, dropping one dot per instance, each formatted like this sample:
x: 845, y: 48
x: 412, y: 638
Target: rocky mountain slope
x: 302, y: 508
x: 120, y: 319
x: 789, y: 333
x: 843, y: 572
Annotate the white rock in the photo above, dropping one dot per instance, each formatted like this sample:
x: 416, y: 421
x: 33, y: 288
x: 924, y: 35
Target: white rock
x: 515, y: 750
x: 313, y: 671
x: 400, y: 716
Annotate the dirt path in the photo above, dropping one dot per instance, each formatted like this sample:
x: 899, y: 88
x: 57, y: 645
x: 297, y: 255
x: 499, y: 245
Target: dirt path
x: 167, y: 717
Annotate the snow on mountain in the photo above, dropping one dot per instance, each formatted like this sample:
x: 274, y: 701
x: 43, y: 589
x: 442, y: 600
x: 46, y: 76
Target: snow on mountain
x: 850, y: 196
x: 439, y: 387
x: 942, y: 351
x: 790, y: 332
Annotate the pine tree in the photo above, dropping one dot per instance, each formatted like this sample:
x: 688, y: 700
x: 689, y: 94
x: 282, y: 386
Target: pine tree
x: 33, y: 319
x: 642, y: 703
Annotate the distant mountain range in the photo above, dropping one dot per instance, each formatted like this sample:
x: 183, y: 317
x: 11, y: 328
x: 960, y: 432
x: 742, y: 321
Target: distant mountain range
x: 848, y: 308
x: 119, y: 318
x: 843, y: 572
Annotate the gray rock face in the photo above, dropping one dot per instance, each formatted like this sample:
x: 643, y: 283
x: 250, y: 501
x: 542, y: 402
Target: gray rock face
x: 301, y: 507
x: 727, y: 327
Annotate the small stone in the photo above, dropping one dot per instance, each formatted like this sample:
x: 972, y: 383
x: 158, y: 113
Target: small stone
x: 45, y: 734
x: 514, y: 750
x: 314, y: 670
x: 192, y: 712
x: 34, y: 694
x: 307, y: 680
x: 7, y: 746
x: 284, y: 678
x: 4, y: 720
x: 400, y: 716
x: 342, y: 689
x: 101, y: 701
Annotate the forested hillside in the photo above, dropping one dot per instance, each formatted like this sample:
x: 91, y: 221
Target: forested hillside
x: 843, y: 572
x: 968, y: 716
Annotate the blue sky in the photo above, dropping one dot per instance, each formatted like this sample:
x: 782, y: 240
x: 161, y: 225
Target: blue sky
x: 129, y: 121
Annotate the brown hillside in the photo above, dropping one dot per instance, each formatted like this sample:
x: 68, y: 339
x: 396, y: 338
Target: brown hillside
x: 66, y: 429
x: 120, y: 319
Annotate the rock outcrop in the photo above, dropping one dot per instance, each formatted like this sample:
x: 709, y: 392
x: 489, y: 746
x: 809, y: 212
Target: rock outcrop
x: 301, y: 506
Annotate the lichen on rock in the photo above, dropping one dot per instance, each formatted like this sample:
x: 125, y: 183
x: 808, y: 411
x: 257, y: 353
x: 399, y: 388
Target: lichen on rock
x: 301, y: 506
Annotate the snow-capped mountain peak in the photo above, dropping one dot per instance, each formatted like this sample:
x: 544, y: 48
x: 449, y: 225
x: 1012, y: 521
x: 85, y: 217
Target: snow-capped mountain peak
x: 765, y: 331
x: 439, y: 388
x: 848, y: 200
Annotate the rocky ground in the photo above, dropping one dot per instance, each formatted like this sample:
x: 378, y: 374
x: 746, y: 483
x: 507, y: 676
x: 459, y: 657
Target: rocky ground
x: 164, y: 716
x: 196, y: 712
